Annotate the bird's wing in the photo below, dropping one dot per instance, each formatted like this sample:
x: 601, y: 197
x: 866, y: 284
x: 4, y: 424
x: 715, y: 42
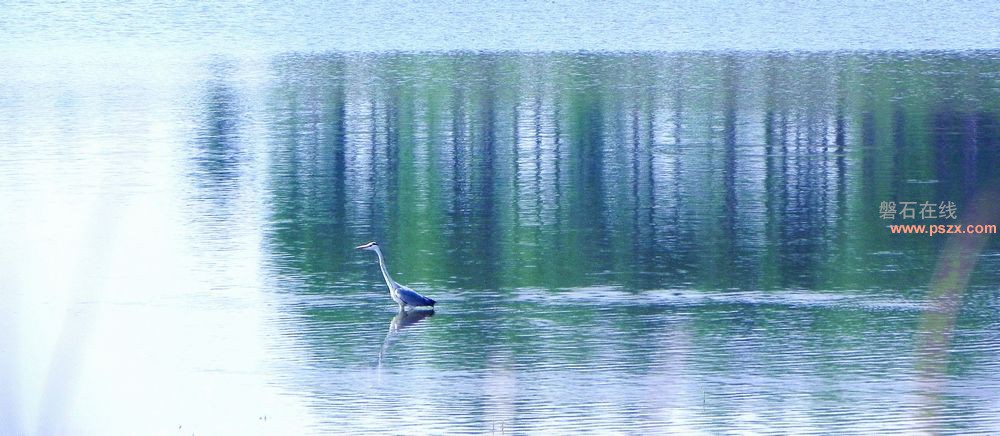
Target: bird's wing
x: 411, y: 297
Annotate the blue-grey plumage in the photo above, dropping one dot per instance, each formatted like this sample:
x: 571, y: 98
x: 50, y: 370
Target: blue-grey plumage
x: 402, y: 295
x: 411, y: 297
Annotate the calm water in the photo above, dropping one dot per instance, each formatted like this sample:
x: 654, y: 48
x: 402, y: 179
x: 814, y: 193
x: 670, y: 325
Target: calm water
x: 680, y: 242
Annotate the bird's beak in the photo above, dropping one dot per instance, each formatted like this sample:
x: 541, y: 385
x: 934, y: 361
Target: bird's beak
x: 361, y: 246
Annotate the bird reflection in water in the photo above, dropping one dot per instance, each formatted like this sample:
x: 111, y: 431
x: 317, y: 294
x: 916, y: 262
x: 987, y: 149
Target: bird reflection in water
x: 401, y: 321
x: 404, y: 319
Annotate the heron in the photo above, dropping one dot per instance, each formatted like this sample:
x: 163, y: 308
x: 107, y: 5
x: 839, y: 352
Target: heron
x: 402, y: 295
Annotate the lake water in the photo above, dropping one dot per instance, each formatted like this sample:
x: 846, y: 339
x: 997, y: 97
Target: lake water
x: 651, y: 242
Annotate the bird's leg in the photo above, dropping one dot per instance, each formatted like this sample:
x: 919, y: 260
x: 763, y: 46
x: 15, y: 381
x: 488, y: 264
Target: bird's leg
x: 402, y: 307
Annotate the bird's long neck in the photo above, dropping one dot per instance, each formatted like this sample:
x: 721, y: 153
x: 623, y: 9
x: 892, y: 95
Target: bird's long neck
x: 381, y: 264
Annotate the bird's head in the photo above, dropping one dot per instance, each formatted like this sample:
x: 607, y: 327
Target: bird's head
x: 369, y: 246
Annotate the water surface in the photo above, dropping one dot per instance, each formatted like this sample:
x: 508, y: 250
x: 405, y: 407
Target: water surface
x: 661, y: 242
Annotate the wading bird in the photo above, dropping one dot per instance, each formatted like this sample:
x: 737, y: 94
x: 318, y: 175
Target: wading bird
x: 402, y: 295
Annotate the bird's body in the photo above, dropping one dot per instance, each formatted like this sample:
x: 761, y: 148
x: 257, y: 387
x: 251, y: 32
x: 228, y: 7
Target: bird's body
x: 406, y: 296
x: 402, y: 295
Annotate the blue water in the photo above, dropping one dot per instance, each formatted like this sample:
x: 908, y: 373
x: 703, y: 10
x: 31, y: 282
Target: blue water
x: 254, y: 28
